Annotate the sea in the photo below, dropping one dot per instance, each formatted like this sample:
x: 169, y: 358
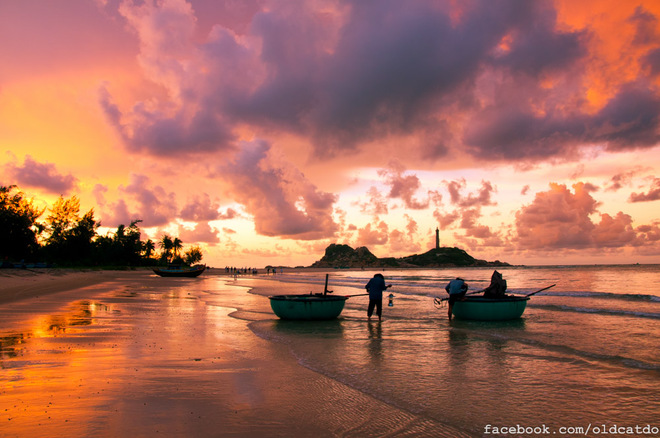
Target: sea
x: 584, y: 360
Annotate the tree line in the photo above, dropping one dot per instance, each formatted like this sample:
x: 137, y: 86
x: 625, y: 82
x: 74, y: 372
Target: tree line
x: 69, y: 239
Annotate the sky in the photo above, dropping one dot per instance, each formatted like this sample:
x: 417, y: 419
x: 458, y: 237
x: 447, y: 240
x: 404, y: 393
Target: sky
x: 264, y: 131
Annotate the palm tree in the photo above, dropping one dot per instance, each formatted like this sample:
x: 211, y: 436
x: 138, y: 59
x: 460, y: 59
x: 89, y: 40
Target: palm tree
x: 149, y: 248
x: 177, y: 245
x: 166, y: 245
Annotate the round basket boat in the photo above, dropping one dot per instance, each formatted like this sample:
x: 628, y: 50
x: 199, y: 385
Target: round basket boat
x: 489, y: 309
x: 307, y: 307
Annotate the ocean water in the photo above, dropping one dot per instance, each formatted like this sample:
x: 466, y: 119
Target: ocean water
x: 150, y: 355
x: 584, y: 358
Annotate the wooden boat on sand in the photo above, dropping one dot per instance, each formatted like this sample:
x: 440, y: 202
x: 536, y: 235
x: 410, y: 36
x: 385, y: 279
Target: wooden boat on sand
x: 180, y: 271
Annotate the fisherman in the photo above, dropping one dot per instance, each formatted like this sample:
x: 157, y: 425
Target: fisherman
x: 497, y: 286
x: 375, y: 287
x: 456, y: 289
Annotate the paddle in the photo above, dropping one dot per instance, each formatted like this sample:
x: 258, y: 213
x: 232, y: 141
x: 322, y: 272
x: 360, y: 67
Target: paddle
x: 540, y: 290
x: 357, y: 295
x: 469, y: 293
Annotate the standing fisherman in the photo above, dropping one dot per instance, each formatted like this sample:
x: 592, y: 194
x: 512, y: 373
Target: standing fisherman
x: 375, y: 287
x: 456, y: 289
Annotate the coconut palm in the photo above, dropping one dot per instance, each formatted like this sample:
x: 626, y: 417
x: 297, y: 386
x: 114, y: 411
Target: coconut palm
x: 166, y: 246
x: 149, y: 248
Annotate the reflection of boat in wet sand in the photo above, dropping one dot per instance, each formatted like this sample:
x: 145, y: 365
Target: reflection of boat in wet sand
x: 308, y: 306
x: 180, y: 271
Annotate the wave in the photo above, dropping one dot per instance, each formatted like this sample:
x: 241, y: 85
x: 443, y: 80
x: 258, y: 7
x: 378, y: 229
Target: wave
x: 606, y: 295
x: 569, y: 353
x: 617, y: 312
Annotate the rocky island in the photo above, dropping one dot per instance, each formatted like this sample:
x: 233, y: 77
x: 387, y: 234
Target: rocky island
x: 343, y: 256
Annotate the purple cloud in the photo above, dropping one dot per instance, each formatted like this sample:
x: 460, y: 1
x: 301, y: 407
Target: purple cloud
x: 41, y: 175
x: 281, y: 200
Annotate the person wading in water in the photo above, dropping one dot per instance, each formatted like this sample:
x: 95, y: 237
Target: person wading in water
x: 375, y: 287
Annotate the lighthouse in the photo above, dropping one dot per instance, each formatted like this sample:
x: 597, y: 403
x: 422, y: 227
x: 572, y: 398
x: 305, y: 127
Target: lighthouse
x: 437, y: 238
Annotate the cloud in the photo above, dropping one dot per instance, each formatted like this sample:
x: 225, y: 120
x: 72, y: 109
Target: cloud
x: 622, y: 179
x: 403, y: 186
x: 446, y: 219
x: 469, y: 223
x: 153, y: 205
x: 482, y: 198
x: 653, y: 193
x: 282, y: 201
x: 561, y: 219
x: 501, y: 81
x: 40, y: 175
x: 187, y: 119
x: 376, y: 205
x: 371, y: 236
x: 200, y: 208
x: 202, y: 232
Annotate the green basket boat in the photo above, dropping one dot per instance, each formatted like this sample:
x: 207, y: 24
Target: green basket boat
x: 307, y: 307
x: 488, y: 309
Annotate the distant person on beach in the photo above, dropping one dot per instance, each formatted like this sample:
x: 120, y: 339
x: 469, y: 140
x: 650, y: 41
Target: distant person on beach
x: 375, y: 287
x: 497, y: 286
x: 457, y: 288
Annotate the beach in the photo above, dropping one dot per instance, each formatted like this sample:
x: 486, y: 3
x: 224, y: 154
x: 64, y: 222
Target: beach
x: 127, y: 353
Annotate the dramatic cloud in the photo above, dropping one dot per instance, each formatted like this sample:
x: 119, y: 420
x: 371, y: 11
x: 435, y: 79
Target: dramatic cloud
x: 233, y: 116
x: 39, y: 175
x: 281, y: 200
x: 187, y: 118
x: 344, y: 74
x: 561, y: 219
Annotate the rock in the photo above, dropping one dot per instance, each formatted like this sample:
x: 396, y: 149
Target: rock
x: 343, y: 256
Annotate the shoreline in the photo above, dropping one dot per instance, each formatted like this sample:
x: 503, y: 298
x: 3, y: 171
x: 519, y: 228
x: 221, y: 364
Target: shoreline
x: 128, y: 353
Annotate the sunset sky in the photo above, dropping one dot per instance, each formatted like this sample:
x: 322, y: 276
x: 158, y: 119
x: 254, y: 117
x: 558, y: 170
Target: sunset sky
x: 526, y: 131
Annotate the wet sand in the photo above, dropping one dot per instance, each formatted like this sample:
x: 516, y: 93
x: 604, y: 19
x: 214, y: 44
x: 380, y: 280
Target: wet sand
x: 127, y: 353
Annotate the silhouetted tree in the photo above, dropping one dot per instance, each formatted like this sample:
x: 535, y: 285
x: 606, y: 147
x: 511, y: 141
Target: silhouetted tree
x: 166, y: 246
x: 70, y: 239
x: 193, y: 255
x: 177, y: 245
x: 148, y: 247
x: 128, y: 244
x: 18, y: 224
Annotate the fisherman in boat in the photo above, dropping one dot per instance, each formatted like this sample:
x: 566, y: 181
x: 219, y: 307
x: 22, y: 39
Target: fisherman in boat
x: 375, y: 287
x: 497, y: 287
x: 456, y: 289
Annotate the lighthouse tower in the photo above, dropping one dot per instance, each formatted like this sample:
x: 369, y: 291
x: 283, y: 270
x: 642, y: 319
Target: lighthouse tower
x: 437, y: 238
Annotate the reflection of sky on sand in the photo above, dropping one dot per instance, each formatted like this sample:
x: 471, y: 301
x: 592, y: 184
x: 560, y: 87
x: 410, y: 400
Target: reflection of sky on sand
x: 165, y: 358
x: 107, y: 358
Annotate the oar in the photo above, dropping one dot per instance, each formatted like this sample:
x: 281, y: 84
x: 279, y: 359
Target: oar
x: 470, y: 293
x: 540, y: 290
x: 357, y: 295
